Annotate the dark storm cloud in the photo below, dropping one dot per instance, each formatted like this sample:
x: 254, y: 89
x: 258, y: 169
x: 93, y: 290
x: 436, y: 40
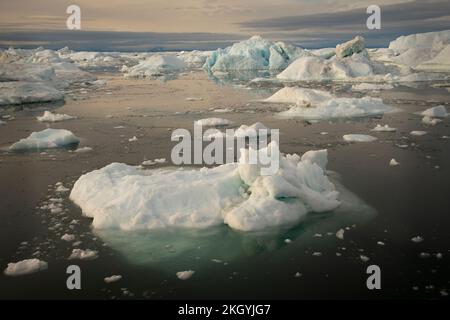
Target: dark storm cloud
x: 116, y: 41
x: 331, y: 28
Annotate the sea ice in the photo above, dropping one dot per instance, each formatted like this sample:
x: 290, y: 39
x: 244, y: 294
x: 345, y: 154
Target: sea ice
x: 25, y: 267
x: 45, y: 139
x: 113, y: 278
x: 79, y: 254
x: 213, y: 122
x: 184, y: 275
x: 318, y: 105
x: 393, y: 163
x: 371, y: 86
x: 68, y: 237
x: 348, y: 48
x: 385, y: 128
x: 251, y: 131
x: 435, y: 112
x: 129, y: 198
x: 430, y: 121
x: 358, y: 138
x: 418, y: 133
x: 54, y: 117
x: 155, y: 65
x: 19, y: 92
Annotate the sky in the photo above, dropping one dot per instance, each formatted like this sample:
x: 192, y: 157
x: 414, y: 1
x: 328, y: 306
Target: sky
x: 136, y: 25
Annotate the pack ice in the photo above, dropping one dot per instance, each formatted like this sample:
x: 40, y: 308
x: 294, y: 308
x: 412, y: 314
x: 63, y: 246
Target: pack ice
x: 255, y: 53
x: 317, y: 104
x: 129, y: 198
x: 46, y: 139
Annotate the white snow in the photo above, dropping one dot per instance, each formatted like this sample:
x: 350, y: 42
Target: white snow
x: 19, y: 92
x: 24, y: 267
x: 435, y: 112
x: 184, y: 275
x: 48, y: 138
x: 236, y: 194
x: 155, y: 65
x: 54, y: 117
x: 418, y: 133
x: 113, y: 278
x: 358, y: 138
x: 253, y: 54
x: 385, y: 128
x: 80, y: 254
x: 318, y: 105
x: 213, y: 122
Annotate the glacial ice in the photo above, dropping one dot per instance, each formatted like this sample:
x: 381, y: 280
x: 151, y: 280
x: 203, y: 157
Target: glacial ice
x: 129, y: 198
x: 255, y: 53
x: 45, y: 139
x: 318, y: 105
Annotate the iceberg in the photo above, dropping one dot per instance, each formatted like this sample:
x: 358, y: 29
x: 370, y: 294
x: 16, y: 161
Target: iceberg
x: 129, y: 198
x: 18, y: 92
x: 155, y: 65
x: 315, y: 104
x: 348, y: 48
x: 253, y: 54
x: 435, y: 112
x: 45, y: 139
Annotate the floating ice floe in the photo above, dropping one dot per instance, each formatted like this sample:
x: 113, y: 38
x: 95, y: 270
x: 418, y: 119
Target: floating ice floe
x: 393, y: 163
x: 24, y: 267
x: 68, y: 237
x: 19, y: 92
x: 251, y: 131
x: 253, y: 54
x: 155, y: 65
x: 317, y: 104
x: 184, y: 275
x: 430, y: 121
x: 133, y: 139
x: 385, y: 128
x: 435, y: 112
x: 113, y: 278
x: 79, y: 254
x: 83, y: 150
x: 213, y: 122
x: 54, y: 117
x: 418, y: 133
x: 340, y: 234
x: 46, y: 139
x: 236, y: 194
x: 358, y: 138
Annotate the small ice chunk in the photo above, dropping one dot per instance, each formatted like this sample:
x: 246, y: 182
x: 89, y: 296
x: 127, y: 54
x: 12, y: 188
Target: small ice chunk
x: 393, y: 163
x: 194, y: 99
x: 385, y: 128
x: 83, y: 150
x: 430, y: 121
x: 24, y: 267
x: 62, y: 189
x: 417, y: 133
x: 112, y: 278
x: 81, y: 254
x: 213, y: 122
x: 424, y: 255
x: 317, y: 254
x: 161, y: 160
x: 54, y: 117
x: 340, y: 234
x: 381, y: 243
x: 184, y: 275
x: 287, y: 241
x: 358, y: 138
x: 417, y: 239
x: 133, y: 139
x: 297, y: 275
x: 68, y: 237
x: 364, y: 258
x: 48, y: 138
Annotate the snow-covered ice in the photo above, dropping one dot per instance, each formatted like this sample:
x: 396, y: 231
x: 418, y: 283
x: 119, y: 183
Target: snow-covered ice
x: 45, y: 139
x: 48, y: 116
x: 350, y: 47
x: 236, y: 194
x: 19, y: 92
x: 155, y: 65
x: 24, y: 267
x: 80, y: 254
x: 358, y: 138
x: 113, y: 278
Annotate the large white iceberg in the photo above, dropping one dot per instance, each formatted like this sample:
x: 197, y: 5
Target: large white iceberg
x: 253, y: 54
x: 129, y: 198
x: 46, y: 139
x: 317, y: 104
x: 155, y: 65
x: 19, y: 92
